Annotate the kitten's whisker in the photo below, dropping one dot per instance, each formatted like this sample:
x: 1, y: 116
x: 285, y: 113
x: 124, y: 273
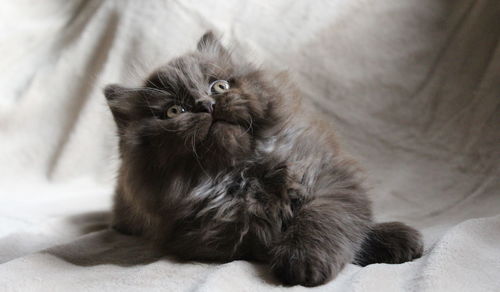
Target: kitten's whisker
x: 250, y: 124
x: 248, y: 121
x: 186, y: 141
x: 216, y: 66
x: 196, y: 154
x: 161, y: 80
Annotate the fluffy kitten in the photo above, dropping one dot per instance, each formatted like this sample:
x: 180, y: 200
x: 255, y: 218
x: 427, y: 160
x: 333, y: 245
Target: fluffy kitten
x: 222, y: 161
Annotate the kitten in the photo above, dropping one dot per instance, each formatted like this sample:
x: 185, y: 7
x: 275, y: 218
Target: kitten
x: 223, y: 161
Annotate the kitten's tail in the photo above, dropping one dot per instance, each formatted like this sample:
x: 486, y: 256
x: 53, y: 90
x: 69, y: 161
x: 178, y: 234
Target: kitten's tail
x: 392, y: 243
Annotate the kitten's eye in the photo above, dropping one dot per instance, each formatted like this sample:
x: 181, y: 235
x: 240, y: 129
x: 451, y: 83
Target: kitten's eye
x: 174, y: 111
x: 219, y: 86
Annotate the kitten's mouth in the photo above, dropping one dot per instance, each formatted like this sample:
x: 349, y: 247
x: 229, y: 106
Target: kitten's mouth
x: 224, y: 121
x: 216, y: 122
x: 225, y: 137
x: 219, y: 124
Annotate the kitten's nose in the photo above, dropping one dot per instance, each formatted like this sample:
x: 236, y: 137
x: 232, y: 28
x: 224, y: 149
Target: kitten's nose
x: 206, y: 106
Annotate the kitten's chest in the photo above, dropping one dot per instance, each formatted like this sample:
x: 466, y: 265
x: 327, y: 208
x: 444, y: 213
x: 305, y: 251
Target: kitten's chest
x: 228, y: 211
x: 232, y: 196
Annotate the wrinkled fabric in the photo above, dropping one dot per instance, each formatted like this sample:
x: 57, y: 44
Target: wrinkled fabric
x: 412, y: 87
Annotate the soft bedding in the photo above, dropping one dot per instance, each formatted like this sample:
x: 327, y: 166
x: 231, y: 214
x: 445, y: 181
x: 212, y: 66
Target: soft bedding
x: 412, y: 86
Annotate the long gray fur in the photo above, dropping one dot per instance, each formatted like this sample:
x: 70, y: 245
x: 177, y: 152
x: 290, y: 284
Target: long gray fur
x: 260, y: 178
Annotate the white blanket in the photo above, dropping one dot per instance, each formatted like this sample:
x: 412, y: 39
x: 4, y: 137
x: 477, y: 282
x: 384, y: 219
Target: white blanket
x: 411, y: 85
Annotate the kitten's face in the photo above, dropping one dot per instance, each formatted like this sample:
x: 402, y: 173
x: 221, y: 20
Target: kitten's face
x: 201, y: 105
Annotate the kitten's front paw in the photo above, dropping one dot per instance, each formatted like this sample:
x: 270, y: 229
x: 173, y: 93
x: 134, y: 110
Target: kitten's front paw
x: 298, y: 266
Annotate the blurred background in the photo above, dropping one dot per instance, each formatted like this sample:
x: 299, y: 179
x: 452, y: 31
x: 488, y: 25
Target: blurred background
x: 412, y: 86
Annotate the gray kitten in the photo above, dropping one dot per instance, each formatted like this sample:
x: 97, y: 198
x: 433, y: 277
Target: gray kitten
x: 223, y: 161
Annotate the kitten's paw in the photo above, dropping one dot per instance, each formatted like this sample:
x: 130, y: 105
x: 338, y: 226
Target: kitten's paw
x: 299, y: 267
x: 392, y: 243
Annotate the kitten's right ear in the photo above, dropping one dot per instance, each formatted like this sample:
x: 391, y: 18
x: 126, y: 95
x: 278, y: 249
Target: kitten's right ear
x: 210, y: 43
x: 119, y: 103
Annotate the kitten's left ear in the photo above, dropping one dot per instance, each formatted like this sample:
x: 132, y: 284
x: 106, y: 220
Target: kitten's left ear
x: 119, y: 103
x: 210, y: 43
x: 113, y: 91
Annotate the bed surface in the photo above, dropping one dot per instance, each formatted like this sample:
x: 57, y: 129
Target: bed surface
x: 412, y: 86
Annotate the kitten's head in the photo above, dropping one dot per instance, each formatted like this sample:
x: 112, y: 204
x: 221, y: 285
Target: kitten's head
x: 204, y: 105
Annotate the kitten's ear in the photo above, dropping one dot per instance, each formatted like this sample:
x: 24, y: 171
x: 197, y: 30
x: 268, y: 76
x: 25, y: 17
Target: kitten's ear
x: 113, y: 91
x: 118, y: 98
x: 210, y: 43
